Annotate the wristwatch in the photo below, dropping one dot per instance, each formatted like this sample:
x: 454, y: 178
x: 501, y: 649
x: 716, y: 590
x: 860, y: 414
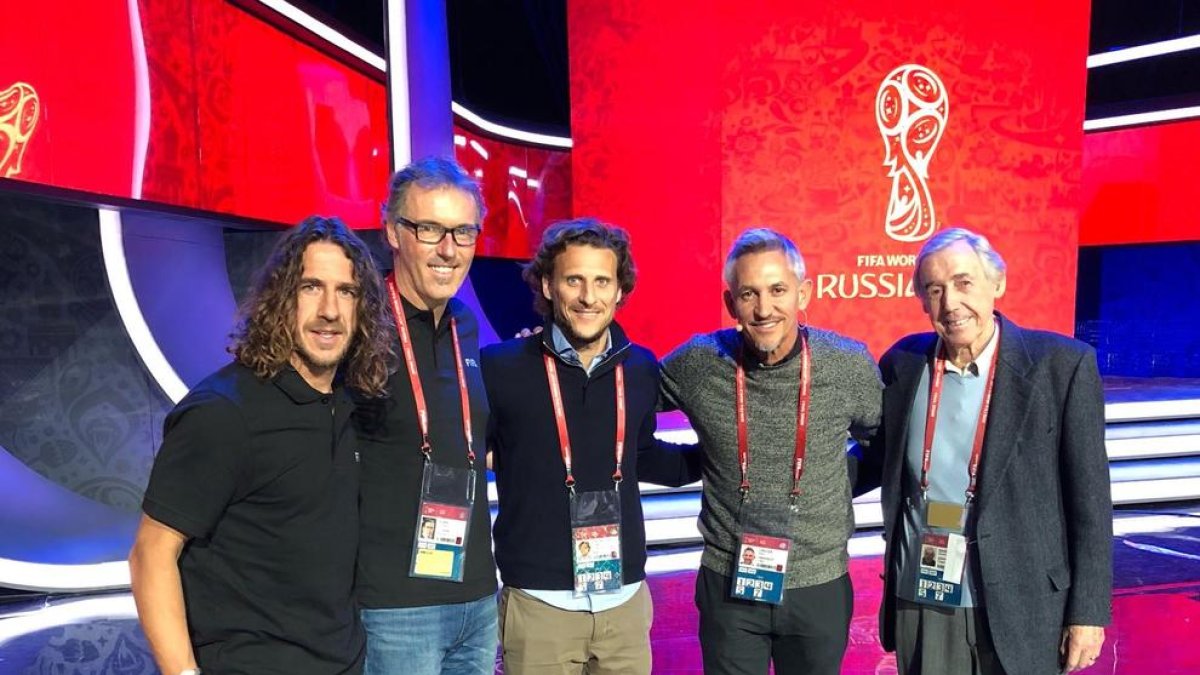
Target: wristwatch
x: 190, y: 671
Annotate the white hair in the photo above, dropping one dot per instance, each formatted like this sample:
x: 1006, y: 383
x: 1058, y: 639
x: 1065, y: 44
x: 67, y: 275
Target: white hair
x: 757, y: 240
x: 994, y: 267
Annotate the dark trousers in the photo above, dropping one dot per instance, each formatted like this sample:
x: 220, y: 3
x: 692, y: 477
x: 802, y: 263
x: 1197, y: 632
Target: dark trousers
x: 934, y: 640
x: 804, y: 635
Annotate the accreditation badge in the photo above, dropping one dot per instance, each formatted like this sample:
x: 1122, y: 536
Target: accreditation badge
x: 942, y: 555
x: 761, y: 568
x: 443, y: 522
x: 761, y: 558
x: 596, y: 542
x: 940, y: 569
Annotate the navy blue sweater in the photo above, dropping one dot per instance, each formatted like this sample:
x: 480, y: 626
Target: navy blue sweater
x: 533, y: 529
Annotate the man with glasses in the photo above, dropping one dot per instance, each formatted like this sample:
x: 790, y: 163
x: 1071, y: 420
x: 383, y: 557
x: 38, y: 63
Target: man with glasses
x: 428, y: 606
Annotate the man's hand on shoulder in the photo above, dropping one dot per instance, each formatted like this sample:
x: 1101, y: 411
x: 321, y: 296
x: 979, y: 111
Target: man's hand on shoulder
x: 1080, y: 646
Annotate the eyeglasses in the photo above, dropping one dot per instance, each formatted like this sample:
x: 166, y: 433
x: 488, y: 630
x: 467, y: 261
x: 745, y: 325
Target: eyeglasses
x: 433, y: 233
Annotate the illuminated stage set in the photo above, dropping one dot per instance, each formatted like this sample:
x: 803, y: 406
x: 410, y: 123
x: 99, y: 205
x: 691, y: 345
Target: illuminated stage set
x: 150, y: 150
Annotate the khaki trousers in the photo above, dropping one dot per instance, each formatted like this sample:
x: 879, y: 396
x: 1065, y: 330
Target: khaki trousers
x: 540, y: 639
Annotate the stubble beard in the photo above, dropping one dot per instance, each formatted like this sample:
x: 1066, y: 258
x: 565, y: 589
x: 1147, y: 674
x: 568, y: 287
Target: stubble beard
x: 315, y: 362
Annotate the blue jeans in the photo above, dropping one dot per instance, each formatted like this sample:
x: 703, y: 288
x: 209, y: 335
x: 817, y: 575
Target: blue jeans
x: 458, y: 639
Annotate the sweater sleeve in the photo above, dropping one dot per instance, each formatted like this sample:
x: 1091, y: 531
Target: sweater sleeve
x: 868, y: 397
x: 662, y: 462
x: 670, y: 464
x: 674, y: 378
x: 866, y: 461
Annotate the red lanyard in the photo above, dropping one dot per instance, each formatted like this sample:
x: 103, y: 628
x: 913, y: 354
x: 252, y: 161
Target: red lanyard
x: 935, y: 399
x: 801, y: 419
x: 560, y: 417
x: 414, y: 378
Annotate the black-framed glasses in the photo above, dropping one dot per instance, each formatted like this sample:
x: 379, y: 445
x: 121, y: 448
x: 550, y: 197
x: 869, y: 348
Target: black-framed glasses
x: 433, y: 233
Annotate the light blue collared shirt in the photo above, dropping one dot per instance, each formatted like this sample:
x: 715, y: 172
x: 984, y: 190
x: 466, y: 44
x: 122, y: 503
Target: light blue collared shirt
x: 590, y: 602
x: 953, y: 438
x: 562, y: 347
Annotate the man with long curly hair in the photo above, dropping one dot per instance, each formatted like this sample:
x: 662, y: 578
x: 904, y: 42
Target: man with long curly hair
x: 244, y: 559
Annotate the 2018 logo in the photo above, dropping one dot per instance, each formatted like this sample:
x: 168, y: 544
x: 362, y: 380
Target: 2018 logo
x: 911, y: 109
x: 19, y: 108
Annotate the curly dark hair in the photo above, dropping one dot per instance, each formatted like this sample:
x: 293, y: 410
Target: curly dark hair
x: 264, y: 338
x: 579, y: 232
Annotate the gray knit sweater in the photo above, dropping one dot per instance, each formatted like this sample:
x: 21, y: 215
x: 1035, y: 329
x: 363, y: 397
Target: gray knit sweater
x: 698, y: 378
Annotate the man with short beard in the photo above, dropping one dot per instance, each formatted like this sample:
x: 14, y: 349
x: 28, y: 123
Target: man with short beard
x: 244, y: 559
x: 566, y: 403
x: 772, y: 403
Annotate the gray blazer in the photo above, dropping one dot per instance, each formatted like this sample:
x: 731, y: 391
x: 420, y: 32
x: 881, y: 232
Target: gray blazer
x: 1044, y: 528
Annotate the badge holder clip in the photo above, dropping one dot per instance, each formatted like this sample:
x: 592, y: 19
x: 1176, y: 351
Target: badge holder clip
x: 596, y: 540
x: 443, y: 522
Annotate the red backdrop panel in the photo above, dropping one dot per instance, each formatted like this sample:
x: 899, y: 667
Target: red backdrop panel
x: 192, y: 103
x: 645, y: 108
x: 1139, y: 185
x: 525, y: 189
x: 692, y: 124
x: 73, y: 66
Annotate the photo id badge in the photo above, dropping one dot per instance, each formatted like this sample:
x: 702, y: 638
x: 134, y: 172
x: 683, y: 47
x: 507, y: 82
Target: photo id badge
x: 596, y: 542
x: 761, y: 568
x: 940, y: 569
x: 443, y: 522
x: 761, y: 558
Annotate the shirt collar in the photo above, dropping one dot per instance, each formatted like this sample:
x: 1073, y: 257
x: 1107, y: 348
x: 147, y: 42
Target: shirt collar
x: 299, y: 390
x: 979, y: 367
x: 567, y: 353
x: 412, y: 312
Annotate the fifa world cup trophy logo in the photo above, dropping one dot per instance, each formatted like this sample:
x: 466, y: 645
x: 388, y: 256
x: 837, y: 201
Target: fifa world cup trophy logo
x: 911, y: 109
x: 19, y: 107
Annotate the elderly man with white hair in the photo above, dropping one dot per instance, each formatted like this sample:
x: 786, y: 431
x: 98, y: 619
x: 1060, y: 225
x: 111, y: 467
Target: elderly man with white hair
x: 996, y: 493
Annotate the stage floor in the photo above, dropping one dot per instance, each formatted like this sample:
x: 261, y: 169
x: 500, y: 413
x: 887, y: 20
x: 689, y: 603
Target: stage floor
x: 1156, y: 613
x: 1127, y: 389
x: 1156, y: 605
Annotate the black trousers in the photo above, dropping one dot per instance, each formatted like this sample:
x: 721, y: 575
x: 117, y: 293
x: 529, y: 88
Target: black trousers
x: 805, y: 635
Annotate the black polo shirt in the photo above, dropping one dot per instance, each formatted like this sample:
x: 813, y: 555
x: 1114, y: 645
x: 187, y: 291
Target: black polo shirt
x: 263, y: 476
x: 392, y: 462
